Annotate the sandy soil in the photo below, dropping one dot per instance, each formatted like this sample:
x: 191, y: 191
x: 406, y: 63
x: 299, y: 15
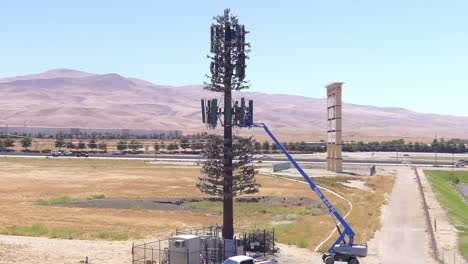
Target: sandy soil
x: 357, y: 184
x: 41, y: 250
x: 293, y: 254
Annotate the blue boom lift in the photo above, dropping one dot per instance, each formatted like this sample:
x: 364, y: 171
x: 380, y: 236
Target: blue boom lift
x: 341, y: 250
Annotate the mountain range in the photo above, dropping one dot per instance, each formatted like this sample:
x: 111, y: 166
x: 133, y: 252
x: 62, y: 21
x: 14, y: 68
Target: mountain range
x: 70, y: 98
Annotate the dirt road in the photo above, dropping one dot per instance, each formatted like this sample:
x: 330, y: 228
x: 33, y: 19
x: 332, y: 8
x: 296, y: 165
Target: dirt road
x: 404, y: 237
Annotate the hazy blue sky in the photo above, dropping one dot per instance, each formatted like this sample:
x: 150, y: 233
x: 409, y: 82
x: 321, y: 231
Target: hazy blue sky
x: 411, y: 54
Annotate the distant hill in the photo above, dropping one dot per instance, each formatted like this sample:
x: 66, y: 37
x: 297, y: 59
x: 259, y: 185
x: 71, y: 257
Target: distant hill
x: 69, y: 98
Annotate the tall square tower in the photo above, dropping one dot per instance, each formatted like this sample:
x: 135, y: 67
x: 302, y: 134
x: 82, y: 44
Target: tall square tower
x: 334, y: 127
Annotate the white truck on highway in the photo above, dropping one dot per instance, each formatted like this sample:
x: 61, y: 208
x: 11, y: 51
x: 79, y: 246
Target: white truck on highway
x: 56, y: 153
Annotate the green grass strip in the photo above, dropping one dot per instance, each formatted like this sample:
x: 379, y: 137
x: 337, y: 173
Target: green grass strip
x: 67, y: 199
x: 454, y: 203
x: 40, y: 230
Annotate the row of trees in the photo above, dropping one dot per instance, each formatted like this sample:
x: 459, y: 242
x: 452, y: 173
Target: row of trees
x: 442, y: 146
x: 110, y: 135
x: 450, y: 146
x: 96, y: 135
x: 8, y: 142
x: 92, y: 144
x: 197, y: 145
x: 185, y: 143
x: 301, y: 146
x: 133, y: 145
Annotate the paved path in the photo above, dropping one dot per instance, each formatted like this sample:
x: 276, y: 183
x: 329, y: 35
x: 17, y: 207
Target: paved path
x: 404, y: 237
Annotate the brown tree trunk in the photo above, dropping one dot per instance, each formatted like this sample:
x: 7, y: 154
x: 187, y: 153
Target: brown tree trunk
x: 228, y: 206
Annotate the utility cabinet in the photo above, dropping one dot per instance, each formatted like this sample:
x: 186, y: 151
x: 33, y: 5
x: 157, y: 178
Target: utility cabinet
x: 184, y: 249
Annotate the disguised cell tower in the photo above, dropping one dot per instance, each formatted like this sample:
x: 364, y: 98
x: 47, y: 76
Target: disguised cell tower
x: 334, y: 127
x: 226, y: 178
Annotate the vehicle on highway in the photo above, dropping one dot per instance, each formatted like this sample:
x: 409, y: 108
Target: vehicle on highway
x: 135, y: 152
x: 463, y: 161
x: 119, y: 153
x: 459, y: 164
x: 3, y: 149
x: 82, y: 154
x: 67, y: 153
x: 405, y: 155
x: 56, y: 153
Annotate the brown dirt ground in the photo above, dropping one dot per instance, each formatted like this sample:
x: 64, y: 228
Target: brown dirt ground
x: 23, y: 181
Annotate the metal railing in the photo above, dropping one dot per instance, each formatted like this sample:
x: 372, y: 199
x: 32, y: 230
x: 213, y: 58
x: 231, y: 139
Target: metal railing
x: 212, y: 249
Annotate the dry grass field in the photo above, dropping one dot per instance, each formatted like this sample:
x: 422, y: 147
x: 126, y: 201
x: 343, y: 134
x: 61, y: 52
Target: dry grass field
x: 24, y: 181
x: 365, y: 215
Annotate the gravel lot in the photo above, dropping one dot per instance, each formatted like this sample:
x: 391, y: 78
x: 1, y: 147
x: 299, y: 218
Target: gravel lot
x: 41, y: 250
x: 463, y: 187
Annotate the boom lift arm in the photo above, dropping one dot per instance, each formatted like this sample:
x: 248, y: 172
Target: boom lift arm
x: 341, y: 250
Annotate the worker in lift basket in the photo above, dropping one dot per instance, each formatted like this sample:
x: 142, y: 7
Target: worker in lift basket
x: 236, y: 113
x: 248, y: 116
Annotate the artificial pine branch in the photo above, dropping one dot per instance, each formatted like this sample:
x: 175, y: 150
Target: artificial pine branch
x: 244, y: 181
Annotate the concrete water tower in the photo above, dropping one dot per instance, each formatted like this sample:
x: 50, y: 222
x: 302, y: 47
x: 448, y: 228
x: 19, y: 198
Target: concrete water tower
x: 334, y: 127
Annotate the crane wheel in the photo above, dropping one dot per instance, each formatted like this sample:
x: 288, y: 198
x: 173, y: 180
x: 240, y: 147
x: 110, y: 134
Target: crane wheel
x: 329, y: 260
x: 324, y: 256
x: 353, y: 261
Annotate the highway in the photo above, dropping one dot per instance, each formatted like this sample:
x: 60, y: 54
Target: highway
x: 188, y: 157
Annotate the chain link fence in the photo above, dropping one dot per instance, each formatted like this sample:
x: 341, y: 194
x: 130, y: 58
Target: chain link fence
x: 202, y: 246
x: 259, y: 240
x: 209, y: 251
x: 449, y: 256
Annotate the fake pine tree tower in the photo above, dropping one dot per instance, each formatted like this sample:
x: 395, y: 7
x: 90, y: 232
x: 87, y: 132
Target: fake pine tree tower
x: 227, y: 73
